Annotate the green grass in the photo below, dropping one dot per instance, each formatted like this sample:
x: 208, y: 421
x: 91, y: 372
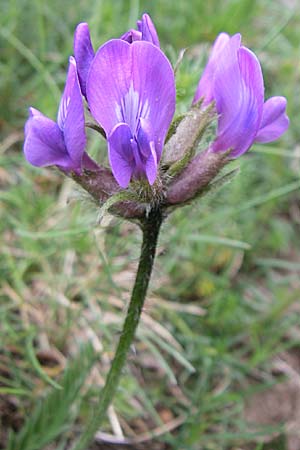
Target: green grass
x: 222, y: 306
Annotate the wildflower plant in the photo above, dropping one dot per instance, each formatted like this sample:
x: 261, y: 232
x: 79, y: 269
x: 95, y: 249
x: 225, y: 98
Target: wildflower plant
x: 128, y: 88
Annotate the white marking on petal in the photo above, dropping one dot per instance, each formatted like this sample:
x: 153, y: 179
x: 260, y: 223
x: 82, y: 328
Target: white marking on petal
x: 62, y: 113
x: 131, y: 109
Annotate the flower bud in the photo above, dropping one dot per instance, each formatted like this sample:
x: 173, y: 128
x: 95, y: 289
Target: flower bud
x: 196, y: 176
x: 188, y: 134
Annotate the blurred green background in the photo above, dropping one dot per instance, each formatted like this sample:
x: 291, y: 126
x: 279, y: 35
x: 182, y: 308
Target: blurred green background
x: 216, y: 360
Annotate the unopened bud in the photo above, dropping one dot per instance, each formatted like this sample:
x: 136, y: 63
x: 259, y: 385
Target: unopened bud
x: 188, y: 134
x: 196, y: 176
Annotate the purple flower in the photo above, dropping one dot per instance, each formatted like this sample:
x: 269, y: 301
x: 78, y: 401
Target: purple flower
x: 131, y: 93
x: 61, y: 144
x: 233, y: 79
x: 146, y: 32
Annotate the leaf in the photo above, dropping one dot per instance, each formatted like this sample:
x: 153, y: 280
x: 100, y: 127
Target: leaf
x: 52, y: 415
x: 35, y: 363
x: 178, y: 356
x: 219, y: 240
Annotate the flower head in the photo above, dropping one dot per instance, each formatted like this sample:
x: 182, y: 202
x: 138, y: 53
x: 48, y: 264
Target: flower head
x: 131, y: 93
x: 233, y: 79
x: 61, y: 143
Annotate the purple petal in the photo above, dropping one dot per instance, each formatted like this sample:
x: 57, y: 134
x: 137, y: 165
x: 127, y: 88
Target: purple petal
x: 228, y: 84
x: 44, y: 144
x: 120, y: 154
x: 146, y: 32
x: 88, y: 163
x: 32, y: 112
x: 145, y: 137
x: 147, y: 28
x: 205, y: 86
x: 70, y: 117
x: 83, y: 52
x: 151, y: 165
x: 274, y: 120
x: 148, y: 150
x: 108, y: 81
x: 127, y: 82
x: 131, y: 36
x: 239, y: 95
x: 138, y: 160
x: 153, y: 79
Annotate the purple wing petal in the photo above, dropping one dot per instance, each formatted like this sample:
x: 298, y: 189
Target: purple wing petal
x: 120, y: 154
x: 151, y: 164
x: 205, y: 85
x: 144, y: 137
x: 71, y: 116
x: 44, y: 144
x: 83, y: 52
x: 274, y: 120
x: 130, y: 81
x: 32, y: 112
x: 239, y: 94
x: 147, y: 28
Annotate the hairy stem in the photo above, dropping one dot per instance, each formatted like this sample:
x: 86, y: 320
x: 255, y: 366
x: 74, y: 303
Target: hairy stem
x: 150, y: 226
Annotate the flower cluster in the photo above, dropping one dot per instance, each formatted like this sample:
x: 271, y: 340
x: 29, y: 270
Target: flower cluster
x: 128, y: 87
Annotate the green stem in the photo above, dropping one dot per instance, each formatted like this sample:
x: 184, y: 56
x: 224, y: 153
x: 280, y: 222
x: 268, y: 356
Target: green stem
x: 150, y: 226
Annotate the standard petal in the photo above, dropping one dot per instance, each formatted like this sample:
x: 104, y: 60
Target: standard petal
x: 228, y: 84
x: 44, y: 145
x: 130, y: 81
x: 147, y: 28
x: 205, y: 85
x: 274, y: 120
x: 120, y: 154
x: 108, y: 82
x: 83, y: 52
x: 239, y: 95
x: 153, y: 80
x: 71, y: 116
